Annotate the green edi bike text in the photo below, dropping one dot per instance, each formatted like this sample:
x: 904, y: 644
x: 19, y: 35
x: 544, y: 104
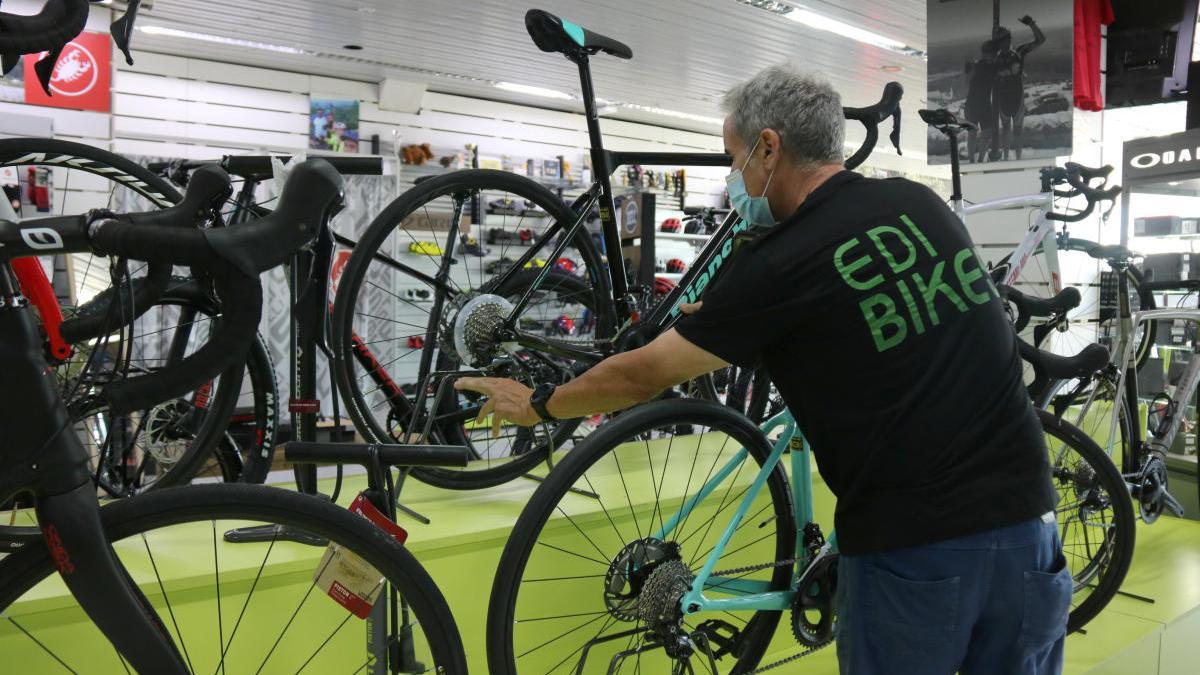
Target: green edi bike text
x: 903, y: 299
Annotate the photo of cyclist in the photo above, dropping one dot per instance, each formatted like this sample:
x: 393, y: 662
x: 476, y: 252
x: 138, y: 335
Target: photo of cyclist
x: 1016, y: 87
x: 1009, y: 92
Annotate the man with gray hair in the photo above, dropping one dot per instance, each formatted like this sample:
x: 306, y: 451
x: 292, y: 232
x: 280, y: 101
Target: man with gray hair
x: 867, y: 306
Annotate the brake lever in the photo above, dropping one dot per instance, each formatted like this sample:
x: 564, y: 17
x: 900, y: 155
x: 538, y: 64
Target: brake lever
x: 122, y: 29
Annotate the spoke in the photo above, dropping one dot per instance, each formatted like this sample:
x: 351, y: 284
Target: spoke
x: 324, y: 642
x: 253, y: 585
x: 562, y: 616
x: 577, y: 555
x: 162, y: 589
x: 292, y: 618
x: 40, y: 644
x: 217, y: 580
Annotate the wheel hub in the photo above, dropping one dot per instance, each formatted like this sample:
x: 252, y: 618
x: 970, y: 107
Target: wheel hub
x: 166, y: 434
x: 477, y: 327
x: 629, y: 572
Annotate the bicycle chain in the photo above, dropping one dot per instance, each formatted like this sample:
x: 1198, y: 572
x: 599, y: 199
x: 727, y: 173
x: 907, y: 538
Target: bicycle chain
x: 790, y: 659
x: 754, y: 568
x: 764, y: 566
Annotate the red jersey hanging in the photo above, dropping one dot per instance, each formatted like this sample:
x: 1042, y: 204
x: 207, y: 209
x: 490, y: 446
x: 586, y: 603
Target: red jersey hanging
x: 82, y: 78
x: 1089, y: 15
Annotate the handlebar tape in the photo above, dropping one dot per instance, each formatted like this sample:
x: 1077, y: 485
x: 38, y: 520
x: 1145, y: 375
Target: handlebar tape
x: 47, y: 31
x: 311, y: 195
x: 242, y: 303
x: 205, y: 194
x: 234, y: 257
x: 871, y: 116
x: 259, y: 166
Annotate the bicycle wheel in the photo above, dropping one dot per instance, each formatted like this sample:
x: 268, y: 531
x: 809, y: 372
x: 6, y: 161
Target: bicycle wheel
x: 237, y: 608
x: 83, y: 177
x: 1090, y: 322
x: 1095, y: 517
x: 174, y: 441
x: 578, y: 569
x: 406, y: 273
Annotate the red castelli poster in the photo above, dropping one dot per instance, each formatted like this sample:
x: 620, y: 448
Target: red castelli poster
x: 82, y: 79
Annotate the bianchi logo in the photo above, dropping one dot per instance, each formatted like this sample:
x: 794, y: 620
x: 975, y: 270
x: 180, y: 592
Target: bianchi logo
x: 91, y: 166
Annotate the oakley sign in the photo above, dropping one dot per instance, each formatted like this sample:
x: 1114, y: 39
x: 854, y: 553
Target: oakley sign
x: 1165, y: 155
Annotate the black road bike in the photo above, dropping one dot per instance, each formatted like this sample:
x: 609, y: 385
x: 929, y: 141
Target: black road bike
x: 419, y: 297
x: 117, y: 561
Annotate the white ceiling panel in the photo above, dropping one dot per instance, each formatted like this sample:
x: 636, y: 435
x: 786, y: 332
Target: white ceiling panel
x: 686, y: 53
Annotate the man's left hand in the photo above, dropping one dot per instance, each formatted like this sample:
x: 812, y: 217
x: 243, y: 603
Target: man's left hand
x: 506, y: 400
x: 1027, y: 20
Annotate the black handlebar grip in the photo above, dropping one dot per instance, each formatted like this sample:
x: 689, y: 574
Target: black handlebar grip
x: 205, y: 194
x: 259, y: 166
x: 1089, y: 173
x: 871, y: 116
x: 48, y: 30
x: 311, y: 195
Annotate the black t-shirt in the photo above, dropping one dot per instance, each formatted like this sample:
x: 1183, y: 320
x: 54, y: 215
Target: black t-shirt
x: 886, y: 338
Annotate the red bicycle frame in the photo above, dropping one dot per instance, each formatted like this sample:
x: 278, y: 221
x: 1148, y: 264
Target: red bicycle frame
x: 37, y: 287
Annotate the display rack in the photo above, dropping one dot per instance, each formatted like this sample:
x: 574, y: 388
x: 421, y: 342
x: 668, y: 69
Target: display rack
x: 1160, y: 217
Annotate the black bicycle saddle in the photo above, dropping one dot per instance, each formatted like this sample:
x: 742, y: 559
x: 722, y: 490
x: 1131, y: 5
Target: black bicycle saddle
x: 552, y: 34
x: 943, y: 118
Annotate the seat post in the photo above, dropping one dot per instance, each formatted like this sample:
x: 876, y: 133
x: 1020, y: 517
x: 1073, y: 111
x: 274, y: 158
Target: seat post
x: 955, y: 174
x: 602, y: 171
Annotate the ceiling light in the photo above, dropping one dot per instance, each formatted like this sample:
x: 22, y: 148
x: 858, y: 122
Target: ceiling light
x: 533, y: 91
x: 819, y: 21
x: 220, y: 39
x: 717, y: 121
x: 891, y: 68
x: 353, y: 48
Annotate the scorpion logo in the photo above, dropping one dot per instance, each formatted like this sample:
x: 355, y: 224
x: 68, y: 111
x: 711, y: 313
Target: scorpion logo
x: 75, y: 74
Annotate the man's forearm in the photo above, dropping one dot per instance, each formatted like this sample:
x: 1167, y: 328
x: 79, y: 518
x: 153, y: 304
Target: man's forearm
x: 613, y: 384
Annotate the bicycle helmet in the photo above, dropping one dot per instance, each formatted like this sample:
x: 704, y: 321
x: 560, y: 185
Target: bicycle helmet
x: 670, y: 225
x: 564, y: 325
x: 663, y: 285
x: 566, y: 265
x: 676, y: 266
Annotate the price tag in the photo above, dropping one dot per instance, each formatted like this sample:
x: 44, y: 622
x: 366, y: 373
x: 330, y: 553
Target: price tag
x: 351, y: 581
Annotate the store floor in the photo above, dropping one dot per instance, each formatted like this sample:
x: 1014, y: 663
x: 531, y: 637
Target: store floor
x: 462, y: 545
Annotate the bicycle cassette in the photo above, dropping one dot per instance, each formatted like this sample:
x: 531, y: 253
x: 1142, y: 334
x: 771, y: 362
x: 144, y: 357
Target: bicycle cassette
x: 476, y: 328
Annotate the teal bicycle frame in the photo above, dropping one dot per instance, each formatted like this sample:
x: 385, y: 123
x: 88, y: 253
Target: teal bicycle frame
x: 749, y: 594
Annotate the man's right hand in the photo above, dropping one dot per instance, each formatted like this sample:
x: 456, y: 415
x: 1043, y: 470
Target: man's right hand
x: 1027, y: 20
x: 691, y: 307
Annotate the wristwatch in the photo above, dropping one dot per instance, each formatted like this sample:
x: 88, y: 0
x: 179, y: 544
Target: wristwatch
x: 538, y: 400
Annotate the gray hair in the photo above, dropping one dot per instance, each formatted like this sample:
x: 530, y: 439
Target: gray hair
x: 805, y: 111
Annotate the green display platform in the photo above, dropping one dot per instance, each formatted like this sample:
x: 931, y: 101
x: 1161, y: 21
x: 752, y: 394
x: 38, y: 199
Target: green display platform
x: 461, y: 548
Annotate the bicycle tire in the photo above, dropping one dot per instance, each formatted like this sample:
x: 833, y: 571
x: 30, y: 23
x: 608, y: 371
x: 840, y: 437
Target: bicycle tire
x: 118, y: 172
x: 1118, y: 550
x: 671, y: 413
x: 201, y: 503
x: 355, y: 277
x: 212, y: 431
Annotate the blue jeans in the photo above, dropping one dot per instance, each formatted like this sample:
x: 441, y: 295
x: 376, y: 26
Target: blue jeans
x: 993, y: 602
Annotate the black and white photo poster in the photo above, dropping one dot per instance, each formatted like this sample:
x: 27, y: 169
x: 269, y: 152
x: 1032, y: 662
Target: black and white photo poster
x: 1005, y: 66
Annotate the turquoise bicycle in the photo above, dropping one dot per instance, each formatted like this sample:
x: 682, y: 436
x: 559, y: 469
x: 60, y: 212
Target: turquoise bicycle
x: 698, y: 543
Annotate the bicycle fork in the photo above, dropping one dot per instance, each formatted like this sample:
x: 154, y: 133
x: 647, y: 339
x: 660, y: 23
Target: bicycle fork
x: 54, y: 469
